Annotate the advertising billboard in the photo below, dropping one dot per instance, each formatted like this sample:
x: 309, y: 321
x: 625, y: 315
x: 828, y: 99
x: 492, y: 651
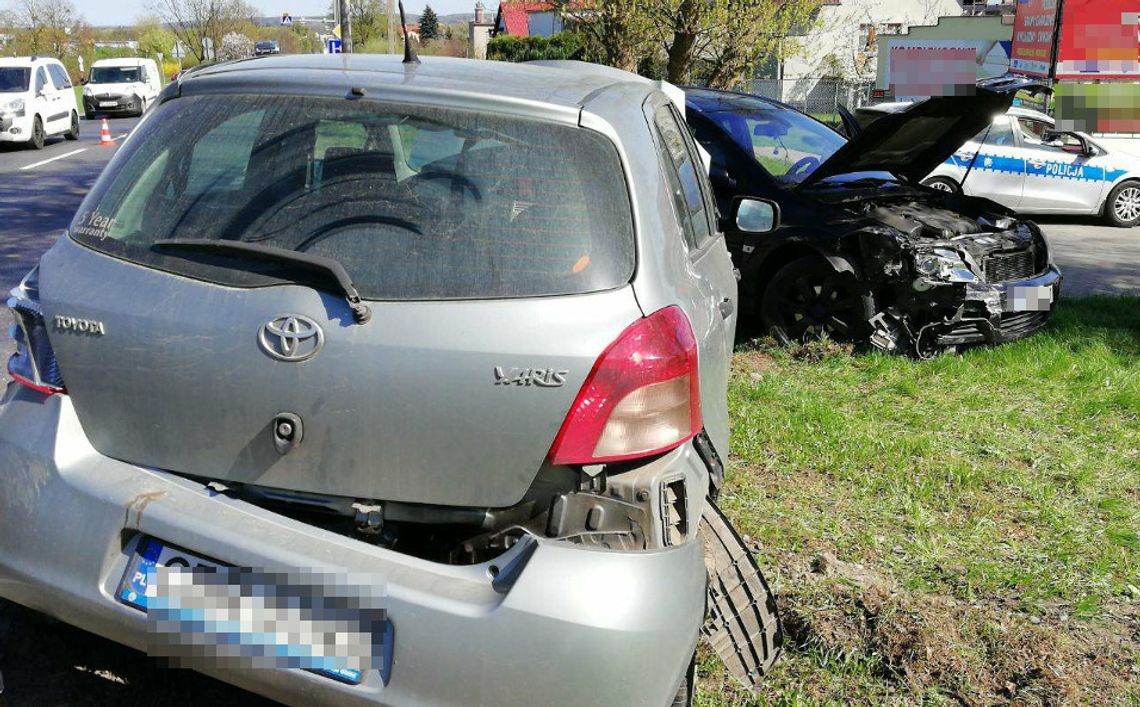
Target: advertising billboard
x: 1034, y: 28
x: 1100, y: 39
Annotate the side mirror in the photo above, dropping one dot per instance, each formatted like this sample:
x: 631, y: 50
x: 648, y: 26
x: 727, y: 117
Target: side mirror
x: 755, y: 216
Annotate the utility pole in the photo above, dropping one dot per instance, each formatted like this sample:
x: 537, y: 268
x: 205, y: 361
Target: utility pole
x: 345, y: 26
x: 393, y: 32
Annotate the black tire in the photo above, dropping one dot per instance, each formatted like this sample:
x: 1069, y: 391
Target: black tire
x: 807, y: 298
x: 36, y: 142
x: 73, y: 134
x: 943, y: 184
x: 1122, y: 207
x: 687, y: 690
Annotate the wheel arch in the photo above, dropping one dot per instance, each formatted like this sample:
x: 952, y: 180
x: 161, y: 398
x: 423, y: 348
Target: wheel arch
x: 1127, y: 178
x: 790, y: 252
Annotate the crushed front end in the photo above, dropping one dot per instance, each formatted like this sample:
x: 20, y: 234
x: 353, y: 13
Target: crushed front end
x: 955, y: 274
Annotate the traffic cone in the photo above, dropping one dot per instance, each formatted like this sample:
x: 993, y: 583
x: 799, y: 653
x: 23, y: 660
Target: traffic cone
x: 105, y: 137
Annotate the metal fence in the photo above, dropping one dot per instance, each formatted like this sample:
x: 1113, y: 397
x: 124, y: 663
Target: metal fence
x: 819, y: 97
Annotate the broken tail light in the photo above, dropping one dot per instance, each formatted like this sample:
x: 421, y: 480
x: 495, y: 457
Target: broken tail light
x: 642, y: 396
x: 33, y: 364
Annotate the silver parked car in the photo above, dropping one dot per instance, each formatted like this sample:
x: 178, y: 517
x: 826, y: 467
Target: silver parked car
x: 426, y: 363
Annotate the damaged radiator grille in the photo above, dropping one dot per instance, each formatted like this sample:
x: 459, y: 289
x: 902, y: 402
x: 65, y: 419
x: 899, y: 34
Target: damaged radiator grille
x: 1003, y: 267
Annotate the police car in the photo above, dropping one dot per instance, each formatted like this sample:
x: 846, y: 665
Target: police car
x: 1029, y: 166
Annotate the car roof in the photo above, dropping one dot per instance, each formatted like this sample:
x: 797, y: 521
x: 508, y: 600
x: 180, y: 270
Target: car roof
x: 709, y: 100
x: 26, y: 60
x: 563, y: 84
x: 121, y: 61
x: 1029, y: 113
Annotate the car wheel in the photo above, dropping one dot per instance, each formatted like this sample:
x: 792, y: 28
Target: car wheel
x: 943, y: 184
x: 1122, y: 208
x: 73, y: 134
x: 807, y: 298
x: 687, y: 690
x: 38, y: 135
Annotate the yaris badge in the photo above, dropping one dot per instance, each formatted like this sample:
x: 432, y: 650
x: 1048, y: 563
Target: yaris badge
x: 291, y: 338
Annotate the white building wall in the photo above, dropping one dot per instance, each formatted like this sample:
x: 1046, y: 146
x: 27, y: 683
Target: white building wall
x: 840, y: 33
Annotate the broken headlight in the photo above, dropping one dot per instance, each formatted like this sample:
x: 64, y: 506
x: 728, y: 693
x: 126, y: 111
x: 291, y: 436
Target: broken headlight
x: 944, y: 265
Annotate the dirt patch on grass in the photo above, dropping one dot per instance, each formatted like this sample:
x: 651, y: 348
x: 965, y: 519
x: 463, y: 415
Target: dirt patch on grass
x: 975, y: 654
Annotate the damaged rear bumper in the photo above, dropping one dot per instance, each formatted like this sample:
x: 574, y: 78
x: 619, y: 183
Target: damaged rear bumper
x: 548, y: 622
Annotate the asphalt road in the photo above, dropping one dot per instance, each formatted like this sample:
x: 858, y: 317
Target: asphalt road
x: 47, y: 662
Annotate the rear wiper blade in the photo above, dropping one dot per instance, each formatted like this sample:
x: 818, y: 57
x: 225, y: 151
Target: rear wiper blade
x: 360, y: 311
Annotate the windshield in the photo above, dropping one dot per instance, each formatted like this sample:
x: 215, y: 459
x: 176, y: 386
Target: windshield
x: 414, y: 202
x: 115, y: 74
x: 14, y: 79
x: 788, y: 144
x: 266, y: 45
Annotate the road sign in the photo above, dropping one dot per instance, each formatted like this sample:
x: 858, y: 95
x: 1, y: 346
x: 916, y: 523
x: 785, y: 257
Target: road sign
x: 335, y: 46
x: 1034, y: 31
x: 1099, y: 40
x: 336, y: 31
x: 208, y: 48
x: 179, y: 51
x: 286, y: 19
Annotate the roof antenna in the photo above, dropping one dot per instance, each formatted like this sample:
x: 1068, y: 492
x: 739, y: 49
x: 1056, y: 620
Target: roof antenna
x: 409, y: 53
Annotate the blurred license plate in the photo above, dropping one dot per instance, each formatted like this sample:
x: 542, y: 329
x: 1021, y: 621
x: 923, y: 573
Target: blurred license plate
x: 151, y: 553
x: 107, y: 104
x: 1038, y: 298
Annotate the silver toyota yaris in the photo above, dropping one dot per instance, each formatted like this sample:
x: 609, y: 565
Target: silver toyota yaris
x: 356, y: 381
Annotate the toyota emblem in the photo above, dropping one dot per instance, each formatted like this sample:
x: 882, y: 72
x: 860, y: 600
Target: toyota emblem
x: 291, y: 338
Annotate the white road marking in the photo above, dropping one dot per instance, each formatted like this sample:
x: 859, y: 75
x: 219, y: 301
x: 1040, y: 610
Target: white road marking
x: 53, y: 159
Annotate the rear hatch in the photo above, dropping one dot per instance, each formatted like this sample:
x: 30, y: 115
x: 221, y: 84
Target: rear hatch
x: 494, y: 254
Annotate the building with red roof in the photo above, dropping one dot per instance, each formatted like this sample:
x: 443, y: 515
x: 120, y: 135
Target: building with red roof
x: 527, y: 19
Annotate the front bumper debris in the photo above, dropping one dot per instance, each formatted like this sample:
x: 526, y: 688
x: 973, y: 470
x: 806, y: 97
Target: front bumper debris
x: 947, y: 316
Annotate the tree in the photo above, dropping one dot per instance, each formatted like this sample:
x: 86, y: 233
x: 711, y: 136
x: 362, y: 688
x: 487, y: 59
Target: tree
x: 47, y: 25
x: 153, y: 38
x: 369, y: 19
x: 235, y: 46
x: 191, y: 20
x: 619, y: 33
x: 724, y: 39
x: 429, y: 25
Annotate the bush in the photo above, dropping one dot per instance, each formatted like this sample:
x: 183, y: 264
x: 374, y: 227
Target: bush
x: 564, y: 45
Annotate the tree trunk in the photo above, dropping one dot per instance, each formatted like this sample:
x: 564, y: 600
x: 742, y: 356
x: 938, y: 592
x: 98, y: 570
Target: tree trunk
x: 680, y: 50
x: 680, y: 57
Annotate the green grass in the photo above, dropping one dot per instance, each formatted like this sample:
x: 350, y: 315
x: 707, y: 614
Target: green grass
x: 983, y: 511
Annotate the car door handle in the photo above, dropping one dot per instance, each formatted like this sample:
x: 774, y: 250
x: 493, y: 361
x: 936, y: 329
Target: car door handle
x: 726, y: 307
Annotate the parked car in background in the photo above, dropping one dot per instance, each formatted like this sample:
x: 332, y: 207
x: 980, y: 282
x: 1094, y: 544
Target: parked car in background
x: 862, y: 251
x: 438, y: 355
x: 126, y: 86
x: 37, y: 101
x: 1022, y: 161
x: 266, y: 47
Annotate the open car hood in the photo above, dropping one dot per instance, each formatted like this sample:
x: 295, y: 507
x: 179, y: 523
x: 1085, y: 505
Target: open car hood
x: 911, y: 143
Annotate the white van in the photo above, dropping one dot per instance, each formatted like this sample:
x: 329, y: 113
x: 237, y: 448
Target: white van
x: 37, y: 100
x: 121, y: 86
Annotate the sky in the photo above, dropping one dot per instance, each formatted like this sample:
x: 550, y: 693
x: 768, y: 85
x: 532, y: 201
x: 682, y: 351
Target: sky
x: 101, y: 12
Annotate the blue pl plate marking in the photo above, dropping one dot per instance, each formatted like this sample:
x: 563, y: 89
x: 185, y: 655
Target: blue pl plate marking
x: 132, y: 592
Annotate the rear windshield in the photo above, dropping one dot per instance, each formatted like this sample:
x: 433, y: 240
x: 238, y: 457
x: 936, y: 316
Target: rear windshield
x: 115, y: 74
x: 416, y: 202
x: 14, y: 79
